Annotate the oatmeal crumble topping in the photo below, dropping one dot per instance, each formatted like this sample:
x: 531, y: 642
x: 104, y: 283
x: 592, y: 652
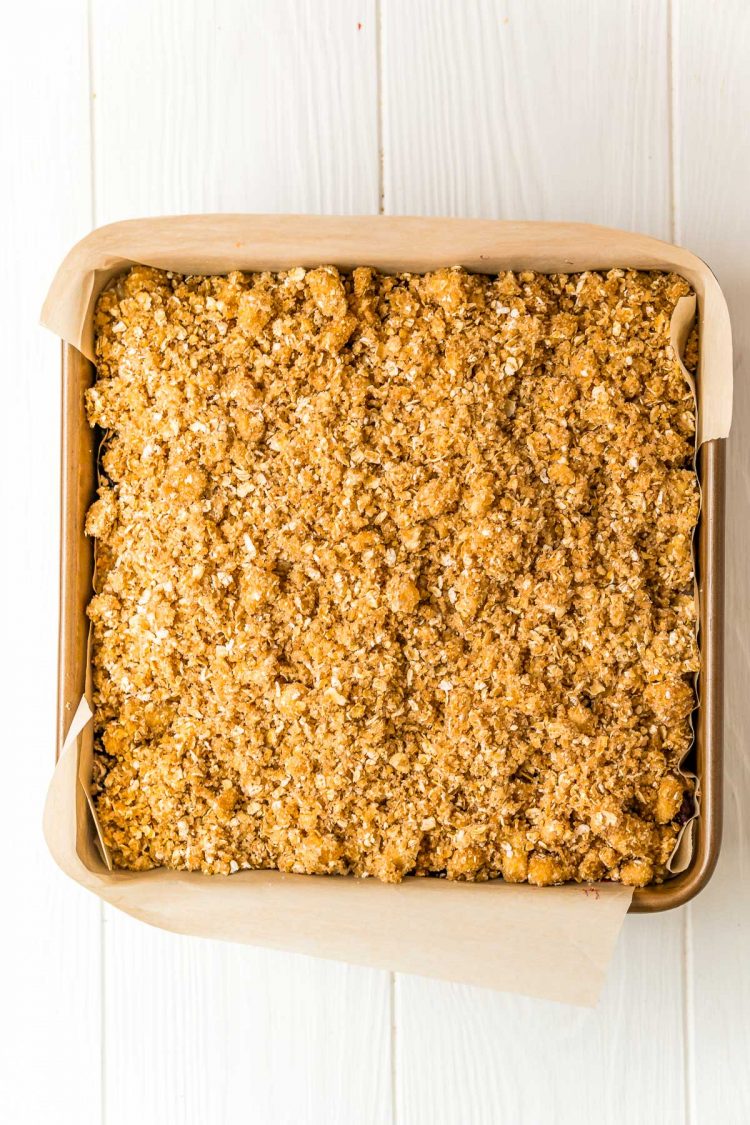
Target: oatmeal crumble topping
x: 393, y: 574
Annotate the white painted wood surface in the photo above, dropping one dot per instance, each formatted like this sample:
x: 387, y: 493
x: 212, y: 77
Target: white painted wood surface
x: 50, y: 937
x: 711, y: 57
x: 618, y: 111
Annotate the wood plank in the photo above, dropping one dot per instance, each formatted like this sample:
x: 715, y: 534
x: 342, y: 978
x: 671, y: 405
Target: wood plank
x: 712, y: 102
x: 527, y: 110
x: 259, y: 107
x: 228, y: 106
x: 530, y: 110
x: 224, y: 1033
x: 51, y: 934
x: 465, y: 1054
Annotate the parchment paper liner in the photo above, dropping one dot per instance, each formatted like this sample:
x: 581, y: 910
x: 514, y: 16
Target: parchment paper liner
x: 553, y: 942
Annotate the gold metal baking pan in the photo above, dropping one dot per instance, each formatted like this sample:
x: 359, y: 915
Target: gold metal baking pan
x: 79, y: 454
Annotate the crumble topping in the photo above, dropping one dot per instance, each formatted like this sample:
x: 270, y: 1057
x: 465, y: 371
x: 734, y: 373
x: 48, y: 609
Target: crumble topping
x: 394, y: 574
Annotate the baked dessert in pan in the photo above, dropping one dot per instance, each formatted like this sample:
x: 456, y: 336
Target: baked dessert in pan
x: 394, y: 573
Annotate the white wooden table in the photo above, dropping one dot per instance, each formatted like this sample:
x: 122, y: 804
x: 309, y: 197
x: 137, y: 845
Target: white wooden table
x: 627, y: 112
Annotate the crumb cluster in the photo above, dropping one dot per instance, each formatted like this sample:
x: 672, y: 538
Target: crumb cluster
x: 394, y: 574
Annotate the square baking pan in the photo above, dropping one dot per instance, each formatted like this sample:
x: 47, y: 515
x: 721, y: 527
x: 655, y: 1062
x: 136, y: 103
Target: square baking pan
x: 79, y: 471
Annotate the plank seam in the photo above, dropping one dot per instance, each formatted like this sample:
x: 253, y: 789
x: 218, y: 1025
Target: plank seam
x: 688, y: 1009
x: 92, y: 115
x: 675, y: 209
x: 102, y: 1018
x: 379, y: 102
x: 393, y: 989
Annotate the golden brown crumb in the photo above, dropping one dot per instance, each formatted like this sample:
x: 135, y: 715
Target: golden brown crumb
x: 393, y: 573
